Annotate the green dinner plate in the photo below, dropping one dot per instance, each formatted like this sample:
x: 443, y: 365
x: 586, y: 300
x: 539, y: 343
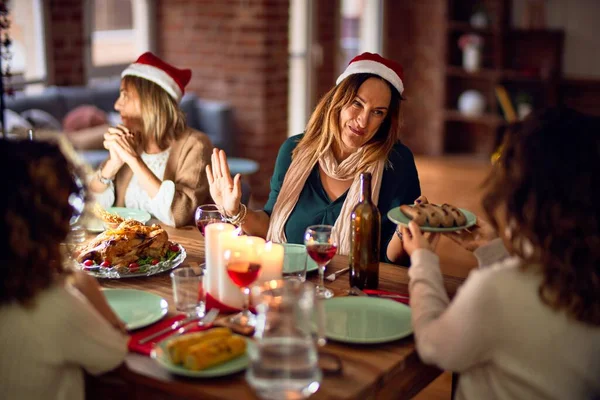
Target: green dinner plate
x: 138, y: 215
x: 135, y: 307
x: 161, y: 356
x: 311, y: 264
x: 366, y: 320
x: 400, y: 218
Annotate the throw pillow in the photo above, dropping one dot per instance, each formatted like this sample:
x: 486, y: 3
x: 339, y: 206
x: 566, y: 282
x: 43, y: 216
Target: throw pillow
x: 83, y: 117
x: 15, y: 123
x: 41, y: 119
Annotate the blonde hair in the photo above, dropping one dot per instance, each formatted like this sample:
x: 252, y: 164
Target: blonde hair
x: 162, y: 118
x: 323, y: 127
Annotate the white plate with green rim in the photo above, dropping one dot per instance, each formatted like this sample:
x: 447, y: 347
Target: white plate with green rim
x: 366, y: 320
x: 397, y: 216
x: 136, y: 308
x: 161, y: 356
x: 311, y: 264
x: 133, y: 213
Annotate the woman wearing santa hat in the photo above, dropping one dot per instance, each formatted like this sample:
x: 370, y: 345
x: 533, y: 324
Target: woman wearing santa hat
x: 354, y: 129
x: 156, y: 162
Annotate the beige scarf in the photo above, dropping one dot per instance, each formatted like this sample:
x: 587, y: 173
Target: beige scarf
x: 294, y: 181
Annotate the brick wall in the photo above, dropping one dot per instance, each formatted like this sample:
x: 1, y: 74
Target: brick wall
x: 238, y: 52
x: 66, y: 42
x: 326, y: 35
x: 414, y: 35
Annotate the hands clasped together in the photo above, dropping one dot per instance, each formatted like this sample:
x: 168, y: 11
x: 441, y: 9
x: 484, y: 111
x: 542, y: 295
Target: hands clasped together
x: 122, y: 145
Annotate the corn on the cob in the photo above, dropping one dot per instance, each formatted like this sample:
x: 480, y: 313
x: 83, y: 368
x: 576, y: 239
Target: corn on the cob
x: 214, y: 351
x: 178, y: 347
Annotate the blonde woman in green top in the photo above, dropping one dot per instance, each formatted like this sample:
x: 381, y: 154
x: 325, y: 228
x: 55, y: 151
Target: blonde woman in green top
x: 353, y: 129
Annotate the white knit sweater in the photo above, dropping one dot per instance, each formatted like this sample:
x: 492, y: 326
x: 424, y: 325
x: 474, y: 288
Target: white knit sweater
x: 497, y: 333
x: 43, y: 349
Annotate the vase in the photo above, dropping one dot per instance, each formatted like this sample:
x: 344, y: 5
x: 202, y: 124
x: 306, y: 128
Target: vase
x: 471, y: 58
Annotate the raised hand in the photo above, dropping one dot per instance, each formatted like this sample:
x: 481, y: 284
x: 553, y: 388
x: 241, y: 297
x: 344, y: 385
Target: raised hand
x: 474, y: 237
x: 225, y: 191
x: 413, y: 238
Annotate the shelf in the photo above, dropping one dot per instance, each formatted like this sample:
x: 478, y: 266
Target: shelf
x: 462, y: 26
x: 491, y: 120
x: 493, y: 74
x: 483, y: 73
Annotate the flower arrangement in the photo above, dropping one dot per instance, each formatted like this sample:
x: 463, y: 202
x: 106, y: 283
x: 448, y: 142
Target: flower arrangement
x: 470, y: 40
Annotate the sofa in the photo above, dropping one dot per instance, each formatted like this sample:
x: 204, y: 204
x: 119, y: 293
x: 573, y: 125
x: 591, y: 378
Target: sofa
x: 211, y: 117
x: 214, y: 118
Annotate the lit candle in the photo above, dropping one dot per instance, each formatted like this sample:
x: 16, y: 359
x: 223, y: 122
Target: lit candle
x: 213, y: 256
x: 271, y: 261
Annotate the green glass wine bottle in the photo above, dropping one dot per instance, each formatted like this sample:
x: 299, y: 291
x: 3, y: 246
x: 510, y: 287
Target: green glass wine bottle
x: 365, y: 238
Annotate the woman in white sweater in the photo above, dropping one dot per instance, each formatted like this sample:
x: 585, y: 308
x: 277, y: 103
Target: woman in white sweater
x: 526, y: 324
x: 53, y: 324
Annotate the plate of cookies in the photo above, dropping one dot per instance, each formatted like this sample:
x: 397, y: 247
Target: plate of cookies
x: 433, y: 217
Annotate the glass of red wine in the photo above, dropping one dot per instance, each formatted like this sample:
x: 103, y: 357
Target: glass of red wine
x: 242, y: 271
x: 207, y: 214
x: 321, y: 247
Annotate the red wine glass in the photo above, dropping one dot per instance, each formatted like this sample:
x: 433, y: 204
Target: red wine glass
x: 321, y: 247
x: 207, y: 214
x: 242, y: 271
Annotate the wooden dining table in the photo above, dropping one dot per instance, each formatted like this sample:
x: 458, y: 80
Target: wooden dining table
x: 390, y: 370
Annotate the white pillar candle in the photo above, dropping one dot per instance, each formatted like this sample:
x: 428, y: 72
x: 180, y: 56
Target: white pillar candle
x: 229, y: 293
x: 271, y: 261
x: 213, y: 256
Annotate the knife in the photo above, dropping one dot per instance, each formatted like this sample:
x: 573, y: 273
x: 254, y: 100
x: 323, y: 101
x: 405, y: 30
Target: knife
x: 175, y: 325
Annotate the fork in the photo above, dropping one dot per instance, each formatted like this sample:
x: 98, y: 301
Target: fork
x: 333, y: 276
x: 207, y: 320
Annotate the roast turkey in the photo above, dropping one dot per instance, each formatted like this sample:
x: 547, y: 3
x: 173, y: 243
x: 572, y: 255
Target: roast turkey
x: 127, y: 243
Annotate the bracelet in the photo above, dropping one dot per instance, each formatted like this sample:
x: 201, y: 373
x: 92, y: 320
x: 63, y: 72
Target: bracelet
x: 101, y: 179
x: 398, y: 232
x: 240, y: 217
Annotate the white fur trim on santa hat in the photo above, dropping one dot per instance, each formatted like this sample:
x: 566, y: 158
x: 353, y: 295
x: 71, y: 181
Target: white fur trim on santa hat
x: 372, y: 67
x: 156, y: 75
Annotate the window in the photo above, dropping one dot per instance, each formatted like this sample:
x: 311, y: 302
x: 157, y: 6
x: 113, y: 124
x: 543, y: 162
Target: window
x: 113, y: 40
x: 361, y: 26
x: 27, y: 60
x: 119, y: 31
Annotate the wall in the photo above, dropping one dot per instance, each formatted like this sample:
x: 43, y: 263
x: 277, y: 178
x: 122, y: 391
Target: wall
x: 414, y: 34
x: 64, y: 29
x: 238, y: 52
x: 328, y: 16
x: 579, y: 19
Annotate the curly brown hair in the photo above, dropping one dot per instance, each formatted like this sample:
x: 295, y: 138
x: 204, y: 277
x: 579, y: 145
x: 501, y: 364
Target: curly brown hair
x: 35, y: 217
x: 547, y: 183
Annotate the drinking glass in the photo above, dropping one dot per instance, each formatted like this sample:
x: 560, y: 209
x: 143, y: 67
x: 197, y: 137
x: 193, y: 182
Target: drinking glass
x: 284, y: 359
x: 321, y: 247
x: 188, y: 291
x: 294, y: 261
x: 242, y: 271
x: 207, y: 214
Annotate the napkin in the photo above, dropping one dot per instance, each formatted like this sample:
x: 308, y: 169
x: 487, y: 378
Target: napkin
x: 402, y: 298
x: 212, y: 302
x: 146, y: 348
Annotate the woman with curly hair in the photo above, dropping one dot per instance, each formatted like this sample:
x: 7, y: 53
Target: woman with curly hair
x: 528, y: 325
x: 53, y: 322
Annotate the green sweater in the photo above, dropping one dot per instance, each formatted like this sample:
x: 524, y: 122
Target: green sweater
x: 400, y: 185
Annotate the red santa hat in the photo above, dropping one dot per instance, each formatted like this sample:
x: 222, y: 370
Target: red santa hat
x: 372, y: 63
x: 173, y: 80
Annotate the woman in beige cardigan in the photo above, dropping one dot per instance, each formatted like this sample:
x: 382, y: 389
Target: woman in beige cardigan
x: 156, y: 162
